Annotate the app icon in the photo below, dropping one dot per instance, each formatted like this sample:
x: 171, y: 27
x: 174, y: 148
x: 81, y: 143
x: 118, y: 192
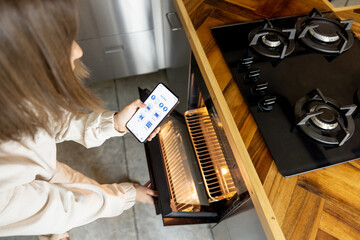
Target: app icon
x: 156, y: 115
x: 148, y: 124
x: 141, y: 117
x: 165, y: 109
x: 161, y: 105
x: 148, y: 108
x: 153, y: 97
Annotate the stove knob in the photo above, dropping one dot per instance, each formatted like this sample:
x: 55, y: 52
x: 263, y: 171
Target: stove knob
x: 245, y: 64
x: 252, y: 76
x: 260, y: 89
x: 266, y: 103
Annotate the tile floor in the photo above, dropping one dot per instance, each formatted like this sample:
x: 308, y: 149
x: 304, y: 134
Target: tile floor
x: 343, y: 3
x: 117, y: 160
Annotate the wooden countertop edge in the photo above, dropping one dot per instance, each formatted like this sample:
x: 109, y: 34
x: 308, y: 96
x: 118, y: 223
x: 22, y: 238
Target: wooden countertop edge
x: 262, y: 205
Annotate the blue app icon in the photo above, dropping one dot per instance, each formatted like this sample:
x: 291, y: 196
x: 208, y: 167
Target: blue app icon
x: 153, y: 97
x: 141, y: 117
x: 156, y: 114
x: 165, y: 109
x: 161, y: 105
x: 148, y: 108
x: 148, y: 124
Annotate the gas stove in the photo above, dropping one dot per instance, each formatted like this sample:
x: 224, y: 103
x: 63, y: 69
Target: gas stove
x: 300, y: 77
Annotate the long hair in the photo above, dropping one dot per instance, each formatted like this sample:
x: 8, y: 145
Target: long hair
x: 37, y: 82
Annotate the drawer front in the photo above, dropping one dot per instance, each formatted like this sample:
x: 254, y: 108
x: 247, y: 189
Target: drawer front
x: 120, y: 55
x: 111, y: 17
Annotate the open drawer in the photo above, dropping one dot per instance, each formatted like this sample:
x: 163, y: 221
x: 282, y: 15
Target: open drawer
x: 192, y: 167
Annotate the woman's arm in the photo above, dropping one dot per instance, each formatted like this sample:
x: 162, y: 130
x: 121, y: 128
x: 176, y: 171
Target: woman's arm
x: 40, y: 207
x: 93, y: 129
x: 90, y: 130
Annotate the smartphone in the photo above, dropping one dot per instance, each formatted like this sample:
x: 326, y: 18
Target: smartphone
x: 159, y: 104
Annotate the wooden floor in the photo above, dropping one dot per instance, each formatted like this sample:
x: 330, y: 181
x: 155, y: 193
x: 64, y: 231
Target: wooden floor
x: 323, y: 204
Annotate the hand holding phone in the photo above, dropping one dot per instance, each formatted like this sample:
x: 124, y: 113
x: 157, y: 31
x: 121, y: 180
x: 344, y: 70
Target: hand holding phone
x: 159, y: 104
x: 122, y: 117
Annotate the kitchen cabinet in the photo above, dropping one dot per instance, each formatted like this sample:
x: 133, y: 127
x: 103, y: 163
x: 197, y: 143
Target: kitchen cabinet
x: 120, y: 55
x: 244, y: 224
x: 124, y: 38
x: 118, y: 38
x: 177, y: 53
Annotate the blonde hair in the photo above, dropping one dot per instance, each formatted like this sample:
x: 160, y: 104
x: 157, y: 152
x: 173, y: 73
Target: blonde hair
x: 36, y: 79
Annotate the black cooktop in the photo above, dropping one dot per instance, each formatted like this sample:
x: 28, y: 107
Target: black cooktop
x: 277, y: 71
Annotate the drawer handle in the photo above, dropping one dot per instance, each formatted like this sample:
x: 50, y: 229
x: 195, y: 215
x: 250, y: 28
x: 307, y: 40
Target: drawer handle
x: 172, y: 27
x: 115, y: 49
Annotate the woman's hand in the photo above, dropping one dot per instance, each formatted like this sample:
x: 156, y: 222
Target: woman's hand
x: 144, y: 193
x: 122, y: 117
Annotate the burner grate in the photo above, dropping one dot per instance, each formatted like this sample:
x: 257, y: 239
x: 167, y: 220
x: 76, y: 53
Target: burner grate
x: 330, y: 123
x: 274, y: 43
x: 325, y: 33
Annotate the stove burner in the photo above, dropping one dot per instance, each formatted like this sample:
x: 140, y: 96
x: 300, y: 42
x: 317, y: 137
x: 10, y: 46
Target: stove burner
x: 271, y: 40
x: 325, y: 33
x: 326, y: 120
x: 330, y: 124
x: 275, y: 42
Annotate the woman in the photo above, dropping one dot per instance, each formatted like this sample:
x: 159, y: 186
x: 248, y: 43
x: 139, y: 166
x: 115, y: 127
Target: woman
x: 43, y: 102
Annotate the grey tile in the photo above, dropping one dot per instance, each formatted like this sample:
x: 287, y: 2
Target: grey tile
x: 246, y: 224
x: 127, y: 88
x: 121, y: 227
x: 338, y: 3
x: 106, y: 90
x: 136, y: 160
x: 150, y: 227
x: 105, y: 164
x: 20, y: 238
x: 353, y: 2
x: 221, y: 232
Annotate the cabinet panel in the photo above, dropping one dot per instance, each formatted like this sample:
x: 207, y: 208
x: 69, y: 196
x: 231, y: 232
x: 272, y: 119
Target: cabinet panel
x: 177, y: 54
x: 120, y: 55
x: 94, y: 59
x: 112, y: 17
x: 245, y: 225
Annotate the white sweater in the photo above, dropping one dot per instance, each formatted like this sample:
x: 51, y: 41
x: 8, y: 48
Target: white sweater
x: 39, y: 195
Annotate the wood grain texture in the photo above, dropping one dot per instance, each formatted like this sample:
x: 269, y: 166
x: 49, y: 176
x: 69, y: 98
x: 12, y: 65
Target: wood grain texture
x: 324, y: 204
x: 251, y: 179
x: 338, y: 184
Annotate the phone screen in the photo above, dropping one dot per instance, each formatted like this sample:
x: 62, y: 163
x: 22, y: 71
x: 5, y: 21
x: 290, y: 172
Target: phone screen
x: 158, y: 105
